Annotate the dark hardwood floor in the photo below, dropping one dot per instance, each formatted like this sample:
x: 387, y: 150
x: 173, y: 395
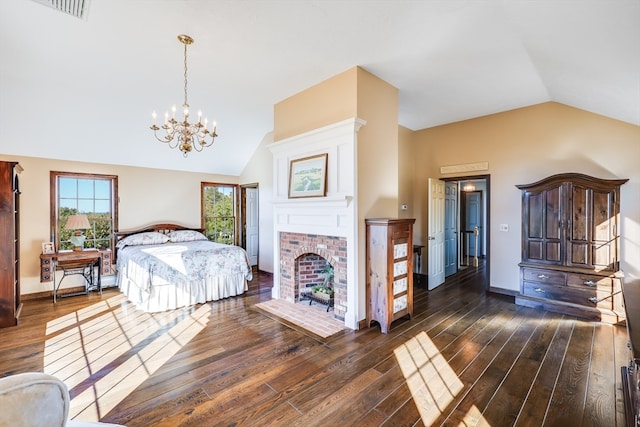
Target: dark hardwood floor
x: 466, y: 358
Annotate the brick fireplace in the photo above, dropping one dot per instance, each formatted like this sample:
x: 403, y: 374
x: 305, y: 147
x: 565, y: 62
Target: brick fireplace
x: 326, y: 226
x: 294, y: 247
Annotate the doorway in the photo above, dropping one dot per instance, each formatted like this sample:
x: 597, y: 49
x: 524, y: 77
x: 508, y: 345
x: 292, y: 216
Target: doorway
x: 249, y: 221
x: 464, y: 205
x: 473, y: 218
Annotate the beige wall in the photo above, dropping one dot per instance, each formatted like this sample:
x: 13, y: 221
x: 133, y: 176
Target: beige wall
x: 325, y: 103
x: 146, y: 196
x: 259, y: 170
x: 523, y: 146
x: 406, y: 172
x: 377, y: 148
x: 377, y: 154
x: 355, y: 93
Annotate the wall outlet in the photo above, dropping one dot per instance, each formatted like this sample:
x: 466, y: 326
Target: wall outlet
x: 504, y: 227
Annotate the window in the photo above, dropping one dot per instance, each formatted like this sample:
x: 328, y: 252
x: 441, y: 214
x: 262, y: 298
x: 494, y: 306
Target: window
x: 89, y: 194
x: 219, y: 212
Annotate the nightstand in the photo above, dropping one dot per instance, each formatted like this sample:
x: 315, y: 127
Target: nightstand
x: 80, y: 263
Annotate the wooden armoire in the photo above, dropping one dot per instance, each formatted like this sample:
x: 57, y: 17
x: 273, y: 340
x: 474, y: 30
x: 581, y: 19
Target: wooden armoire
x: 9, y: 244
x: 570, y: 246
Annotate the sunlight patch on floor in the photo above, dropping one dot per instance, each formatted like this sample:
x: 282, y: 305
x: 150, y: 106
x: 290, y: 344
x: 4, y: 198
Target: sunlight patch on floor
x: 121, y: 350
x: 432, y: 382
x: 78, y: 316
x: 474, y: 418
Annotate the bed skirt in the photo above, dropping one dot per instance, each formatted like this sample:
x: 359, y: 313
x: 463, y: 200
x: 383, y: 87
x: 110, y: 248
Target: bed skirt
x: 169, y: 296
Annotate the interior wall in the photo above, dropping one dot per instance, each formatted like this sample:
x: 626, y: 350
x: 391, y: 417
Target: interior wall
x: 260, y: 169
x: 377, y: 164
x: 377, y: 148
x: 524, y: 146
x: 146, y: 196
x: 406, y: 171
x: 327, y: 102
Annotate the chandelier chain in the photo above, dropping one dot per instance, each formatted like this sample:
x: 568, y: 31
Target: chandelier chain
x: 186, y: 104
x: 182, y: 134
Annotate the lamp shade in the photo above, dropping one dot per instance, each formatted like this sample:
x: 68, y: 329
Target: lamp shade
x: 77, y: 222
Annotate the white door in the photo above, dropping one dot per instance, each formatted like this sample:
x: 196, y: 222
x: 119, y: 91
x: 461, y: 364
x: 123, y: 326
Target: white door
x: 473, y: 215
x: 451, y: 228
x: 252, y: 224
x: 436, y: 233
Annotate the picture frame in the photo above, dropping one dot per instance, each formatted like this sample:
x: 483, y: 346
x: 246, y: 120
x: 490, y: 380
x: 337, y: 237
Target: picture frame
x: 48, y: 248
x: 308, y: 176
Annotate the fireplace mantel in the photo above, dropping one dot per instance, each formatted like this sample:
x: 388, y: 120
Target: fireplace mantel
x: 329, y: 201
x: 333, y: 215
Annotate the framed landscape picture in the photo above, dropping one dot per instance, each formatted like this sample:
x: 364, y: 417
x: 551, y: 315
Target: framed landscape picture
x: 308, y: 176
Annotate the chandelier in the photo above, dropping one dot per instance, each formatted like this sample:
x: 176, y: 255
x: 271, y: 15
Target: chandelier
x: 182, y: 134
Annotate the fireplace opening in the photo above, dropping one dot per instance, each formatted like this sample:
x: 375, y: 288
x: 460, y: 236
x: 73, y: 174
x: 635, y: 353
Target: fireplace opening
x: 305, y: 260
x: 313, y: 273
x: 314, y: 277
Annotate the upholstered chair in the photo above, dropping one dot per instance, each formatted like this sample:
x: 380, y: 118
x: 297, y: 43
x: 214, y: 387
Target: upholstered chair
x: 34, y: 399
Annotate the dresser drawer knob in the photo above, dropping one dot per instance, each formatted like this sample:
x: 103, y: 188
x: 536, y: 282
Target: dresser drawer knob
x: 589, y: 283
x: 539, y: 290
x: 542, y: 276
x: 593, y: 300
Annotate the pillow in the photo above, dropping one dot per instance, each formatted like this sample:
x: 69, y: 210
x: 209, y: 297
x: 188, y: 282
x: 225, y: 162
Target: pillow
x: 186, y: 236
x: 146, y: 238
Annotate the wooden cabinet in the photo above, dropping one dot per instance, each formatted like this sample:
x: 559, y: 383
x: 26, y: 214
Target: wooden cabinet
x: 106, y: 266
x: 83, y: 263
x: 389, y: 267
x: 47, y: 267
x: 10, y: 305
x: 570, y: 246
x: 48, y: 264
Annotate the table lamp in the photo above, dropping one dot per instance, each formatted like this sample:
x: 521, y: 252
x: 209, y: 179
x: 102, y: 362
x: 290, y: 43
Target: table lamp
x: 77, y: 223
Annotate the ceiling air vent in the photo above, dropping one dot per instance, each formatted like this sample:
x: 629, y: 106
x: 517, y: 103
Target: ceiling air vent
x: 77, y: 8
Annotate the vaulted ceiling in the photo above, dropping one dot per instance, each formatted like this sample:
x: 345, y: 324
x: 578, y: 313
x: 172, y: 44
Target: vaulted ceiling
x: 84, y: 88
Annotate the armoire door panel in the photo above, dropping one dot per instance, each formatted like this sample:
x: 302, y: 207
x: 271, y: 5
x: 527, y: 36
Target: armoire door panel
x: 534, y: 215
x: 535, y: 250
x: 603, y: 257
x: 603, y: 217
x: 580, y: 215
x: 553, y: 209
x: 579, y: 254
x: 553, y: 251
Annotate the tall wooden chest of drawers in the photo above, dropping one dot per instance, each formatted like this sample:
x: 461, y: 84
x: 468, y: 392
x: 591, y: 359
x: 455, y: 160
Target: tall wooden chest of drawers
x: 389, y: 270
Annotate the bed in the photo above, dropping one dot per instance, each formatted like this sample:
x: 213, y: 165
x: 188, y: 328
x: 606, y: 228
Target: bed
x: 166, y: 266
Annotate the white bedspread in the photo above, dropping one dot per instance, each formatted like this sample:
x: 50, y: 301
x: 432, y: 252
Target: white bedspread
x: 171, y: 275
